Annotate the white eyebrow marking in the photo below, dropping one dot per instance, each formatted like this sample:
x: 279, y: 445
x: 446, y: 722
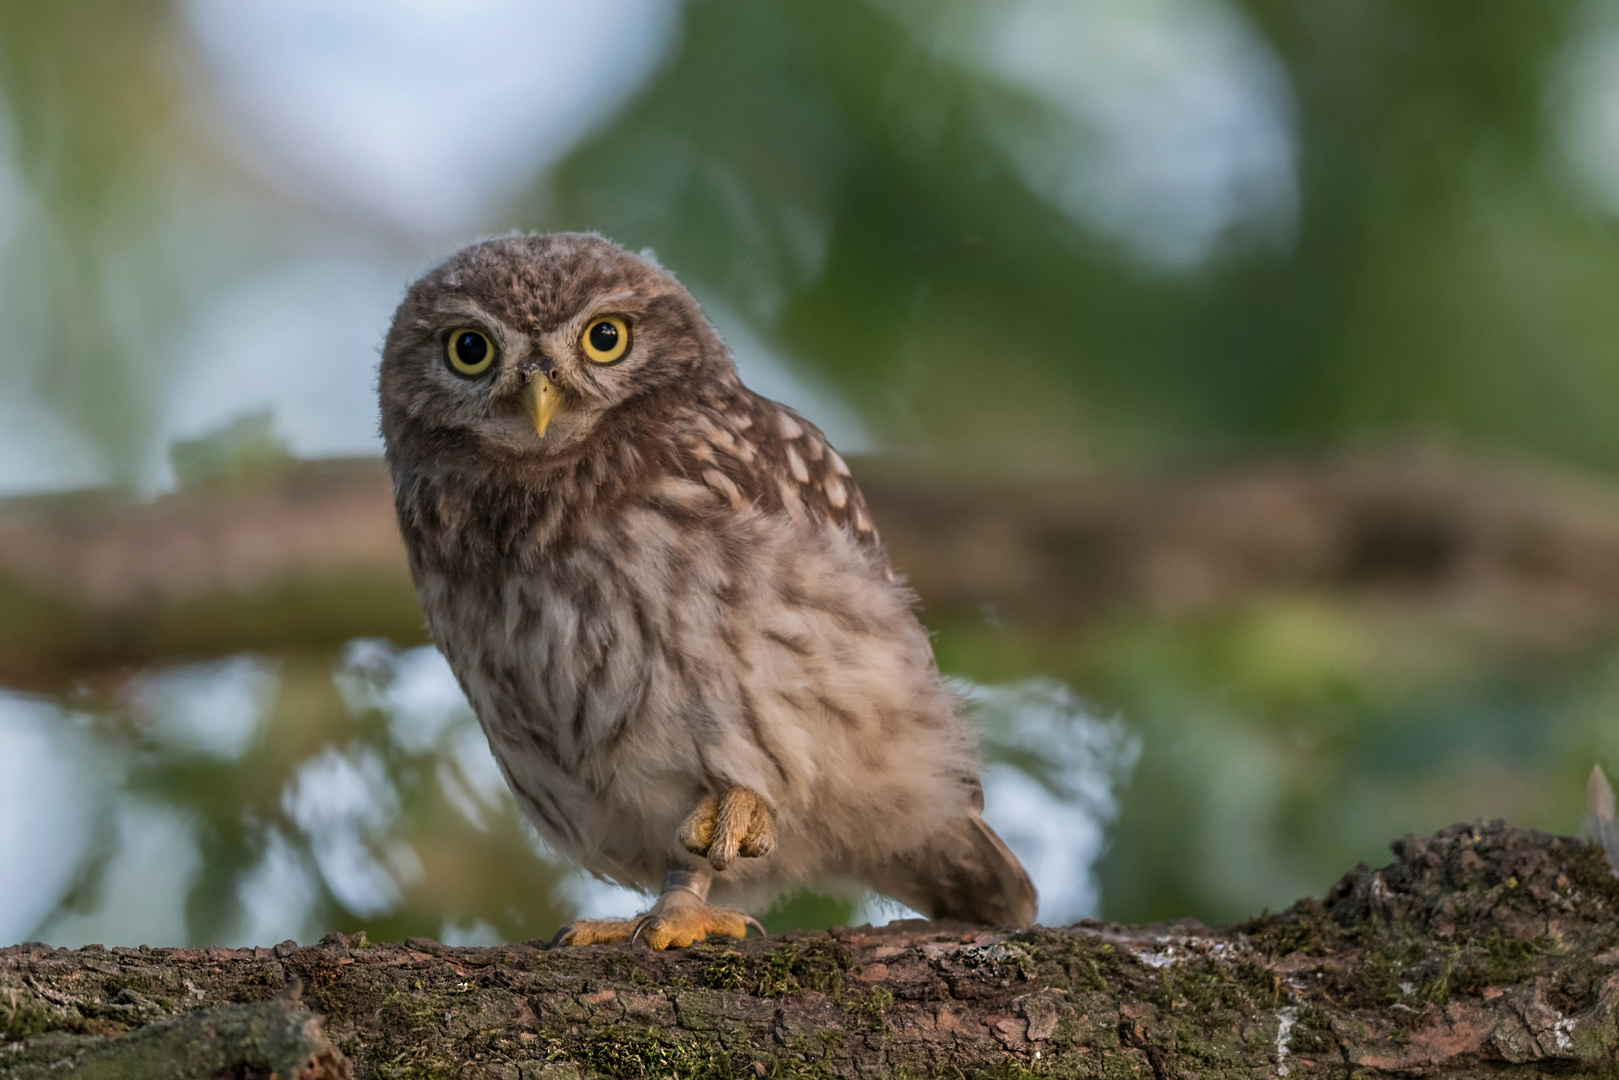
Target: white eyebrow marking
x: 461, y: 308
x: 613, y: 298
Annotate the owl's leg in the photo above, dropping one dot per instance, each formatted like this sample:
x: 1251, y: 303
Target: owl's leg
x: 721, y: 827
x: 680, y: 916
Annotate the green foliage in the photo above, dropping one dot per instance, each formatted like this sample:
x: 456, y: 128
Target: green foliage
x: 246, y: 445
x: 805, y: 910
x: 1393, y: 306
x: 848, y: 186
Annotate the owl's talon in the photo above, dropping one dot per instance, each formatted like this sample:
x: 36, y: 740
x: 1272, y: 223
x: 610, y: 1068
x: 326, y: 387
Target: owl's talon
x: 680, y: 927
x: 721, y: 827
x: 596, y: 932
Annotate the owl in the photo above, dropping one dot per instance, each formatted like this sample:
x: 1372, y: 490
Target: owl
x: 665, y: 599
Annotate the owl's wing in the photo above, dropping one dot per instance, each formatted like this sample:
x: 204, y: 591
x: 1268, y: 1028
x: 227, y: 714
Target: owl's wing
x: 758, y: 453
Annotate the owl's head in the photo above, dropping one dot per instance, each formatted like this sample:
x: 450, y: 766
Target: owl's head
x: 525, y: 344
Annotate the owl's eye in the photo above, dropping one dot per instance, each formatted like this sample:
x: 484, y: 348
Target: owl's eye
x: 606, y: 339
x: 468, y: 352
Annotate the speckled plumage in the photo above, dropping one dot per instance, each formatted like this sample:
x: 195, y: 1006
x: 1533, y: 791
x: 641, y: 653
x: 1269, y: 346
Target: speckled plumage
x: 675, y: 591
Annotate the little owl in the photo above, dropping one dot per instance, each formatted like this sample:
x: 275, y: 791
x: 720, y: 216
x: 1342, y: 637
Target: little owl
x: 664, y: 598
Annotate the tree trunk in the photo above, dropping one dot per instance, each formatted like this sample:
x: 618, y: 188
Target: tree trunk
x: 1480, y: 951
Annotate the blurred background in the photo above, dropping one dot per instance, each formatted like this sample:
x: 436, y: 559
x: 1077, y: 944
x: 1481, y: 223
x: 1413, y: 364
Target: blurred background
x: 1236, y: 380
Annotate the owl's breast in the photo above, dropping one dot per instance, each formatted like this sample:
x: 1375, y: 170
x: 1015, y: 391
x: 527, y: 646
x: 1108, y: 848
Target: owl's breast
x: 588, y: 668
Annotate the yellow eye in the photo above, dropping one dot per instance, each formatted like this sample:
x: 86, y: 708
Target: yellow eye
x: 606, y: 339
x: 469, y: 352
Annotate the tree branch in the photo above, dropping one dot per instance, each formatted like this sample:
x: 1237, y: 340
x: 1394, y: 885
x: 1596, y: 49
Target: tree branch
x: 1479, y: 951
x: 308, y: 556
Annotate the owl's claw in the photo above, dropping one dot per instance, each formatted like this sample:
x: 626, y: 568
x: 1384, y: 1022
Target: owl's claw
x: 721, y: 827
x: 596, y: 932
x: 673, y: 929
x: 679, y: 917
x: 680, y: 927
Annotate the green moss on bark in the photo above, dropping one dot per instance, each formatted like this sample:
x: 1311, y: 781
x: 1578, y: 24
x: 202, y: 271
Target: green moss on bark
x: 1479, y: 951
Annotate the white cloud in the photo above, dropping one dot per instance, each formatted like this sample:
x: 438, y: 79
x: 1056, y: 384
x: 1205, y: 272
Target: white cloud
x: 426, y: 710
x: 414, y: 687
x: 423, y: 111
x: 48, y: 799
x: 596, y: 899
x: 40, y: 453
x: 301, y: 341
x: 138, y: 906
x: 1583, y: 98
x: 277, y: 897
x: 471, y: 776
x: 213, y: 708
x: 345, y: 804
x: 469, y: 932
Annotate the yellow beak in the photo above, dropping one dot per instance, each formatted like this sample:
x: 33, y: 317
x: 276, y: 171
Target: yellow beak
x: 541, y: 400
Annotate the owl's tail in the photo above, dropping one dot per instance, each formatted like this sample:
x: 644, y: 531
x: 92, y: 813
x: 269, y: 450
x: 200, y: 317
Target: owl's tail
x: 965, y: 872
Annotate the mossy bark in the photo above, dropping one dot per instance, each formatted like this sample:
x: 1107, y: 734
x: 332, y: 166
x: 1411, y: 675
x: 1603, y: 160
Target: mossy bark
x: 273, y: 1038
x: 1480, y: 951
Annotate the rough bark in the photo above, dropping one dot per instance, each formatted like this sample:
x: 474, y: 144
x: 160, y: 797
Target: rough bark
x: 269, y: 1038
x: 1481, y: 951
x: 308, y: 556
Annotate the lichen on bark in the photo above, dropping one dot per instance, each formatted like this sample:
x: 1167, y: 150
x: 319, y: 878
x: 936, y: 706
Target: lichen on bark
x: 1482, y: 950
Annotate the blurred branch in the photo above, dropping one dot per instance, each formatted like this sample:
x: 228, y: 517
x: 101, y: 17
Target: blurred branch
x: 1478, y: 949
x: 307, y: 555
x: 299, y: 558
x: 1530, y: 552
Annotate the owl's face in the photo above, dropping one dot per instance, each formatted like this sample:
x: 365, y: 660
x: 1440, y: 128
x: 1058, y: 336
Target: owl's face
x: 523, y: 345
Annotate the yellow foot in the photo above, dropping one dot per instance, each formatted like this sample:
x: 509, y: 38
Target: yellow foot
x: 679, y: 927
x: 596, y: 932
x: 721, y: 827
x: 672, y: 929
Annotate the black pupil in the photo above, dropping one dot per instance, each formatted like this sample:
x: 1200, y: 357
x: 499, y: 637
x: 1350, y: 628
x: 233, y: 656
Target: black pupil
x: 471, y: 348
x: 604, y: 337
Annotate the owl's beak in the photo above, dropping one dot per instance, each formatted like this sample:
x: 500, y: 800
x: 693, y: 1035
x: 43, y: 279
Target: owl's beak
x: 541, y: 400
